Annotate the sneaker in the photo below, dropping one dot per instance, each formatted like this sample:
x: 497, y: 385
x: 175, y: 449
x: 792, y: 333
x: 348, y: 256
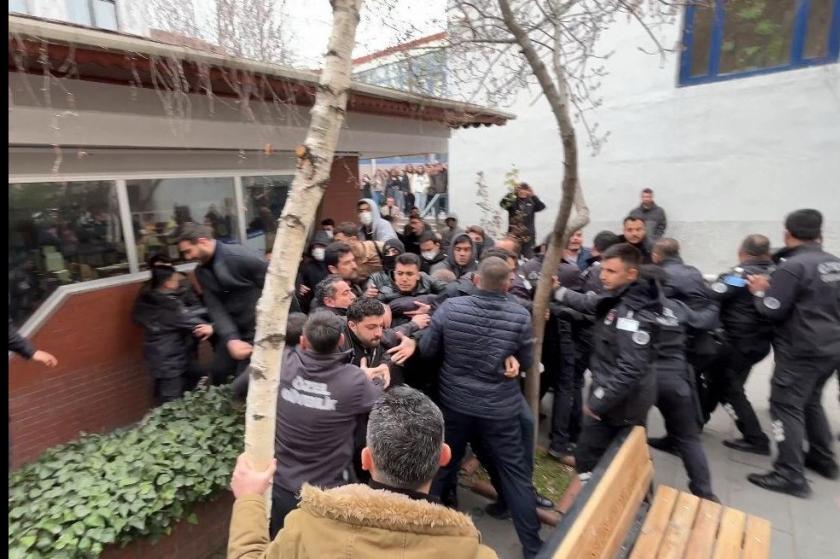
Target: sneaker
x: 563, y: 453
x: 746, y: 446
x: 773, y: 481
x: 828, y: 470
x: 544, y: 502
x: 497, y: 511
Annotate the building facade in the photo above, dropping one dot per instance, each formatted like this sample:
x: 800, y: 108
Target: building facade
x: 736, y: 130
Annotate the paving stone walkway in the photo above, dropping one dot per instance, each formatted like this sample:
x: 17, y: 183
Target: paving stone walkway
x: 802, y: 528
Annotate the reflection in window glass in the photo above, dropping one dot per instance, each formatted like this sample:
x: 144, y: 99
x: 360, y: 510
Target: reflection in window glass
x: 702, y: 40
x: 819, y: 23
x: 105, y: 14
x: 756, y: 34
x: 61, y: 233
x: 78, y: 11
x: 18, y: 6
x: 264, y: 201
x: 159, y: 207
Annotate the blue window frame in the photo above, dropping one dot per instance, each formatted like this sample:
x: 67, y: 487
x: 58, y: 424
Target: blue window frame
x: 725, y: 39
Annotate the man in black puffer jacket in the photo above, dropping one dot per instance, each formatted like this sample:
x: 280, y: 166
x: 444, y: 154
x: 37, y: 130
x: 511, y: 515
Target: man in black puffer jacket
x: 747, y: 337
x: 480, y: 401
x: 170, y: 324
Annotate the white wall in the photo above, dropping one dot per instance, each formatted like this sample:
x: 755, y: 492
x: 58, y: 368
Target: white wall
x: 725, y: 159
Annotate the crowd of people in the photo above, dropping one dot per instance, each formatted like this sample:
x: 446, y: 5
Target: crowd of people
x: 405, y: 348
x: 403, y: 188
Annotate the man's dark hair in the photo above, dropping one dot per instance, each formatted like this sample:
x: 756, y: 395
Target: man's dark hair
x: 408, y: 259
x: 294, y: 328
x: 327, y: 221
x: 428, y: 236
x: 629, y: 255
x: 348, y: 229
x: 493, y: 272
x: 633, y: 218
x: 161, y: 274
x: 756, y: 245
x: 476, y: 229
x: 158, y: 259
x: 502, y: 253
x: 604, y: 240
x: 323, y: 331
x: 667, y: 248
x: 334, y: 252
x: 192, y: 232
x: 405, y: 436
x: 805, y: 225
x: 364, y: 307
x: 647, y: 191
x: 326, y: 288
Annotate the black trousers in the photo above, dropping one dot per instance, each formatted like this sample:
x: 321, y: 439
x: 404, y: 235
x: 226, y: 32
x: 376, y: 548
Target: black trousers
x: 501, y: 440
x: 731, y: 371
x: 677, y: 402
x: 282, y: 503
x: 595, y: 438
x: 567, y: 380
x: 797, y: 412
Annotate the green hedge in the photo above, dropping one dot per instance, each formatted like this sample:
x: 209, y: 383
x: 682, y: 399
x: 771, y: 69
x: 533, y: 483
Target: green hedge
x: 128, y: 484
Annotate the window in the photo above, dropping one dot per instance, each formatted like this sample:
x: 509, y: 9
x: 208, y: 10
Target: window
x: 18, y: 6
x: 93, y: 13
x: 61, y: 233
x: 265, y: 198
x: 160, y: 206
x: 723, y: 39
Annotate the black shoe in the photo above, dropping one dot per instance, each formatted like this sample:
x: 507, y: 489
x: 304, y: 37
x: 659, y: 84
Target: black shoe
x: 563, y: 454
x: 745, y: 446
x: 544, y: 502
x: 772, y: 481
x: 665, y: 444
x: 496, y: 511
x: 828, y: 470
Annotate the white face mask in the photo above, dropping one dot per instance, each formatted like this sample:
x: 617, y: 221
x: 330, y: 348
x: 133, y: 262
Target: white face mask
x: 329, y: 233
x: 366, y: 218
x: 429, y: 254
x: 318, y: 253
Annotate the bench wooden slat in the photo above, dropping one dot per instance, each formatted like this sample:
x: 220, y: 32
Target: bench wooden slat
x: 679, y: 527
x: 757, y: 538
x: 656, y: 521
x: 602, y: 524
x: 701, y: 544
x: 730, y: 535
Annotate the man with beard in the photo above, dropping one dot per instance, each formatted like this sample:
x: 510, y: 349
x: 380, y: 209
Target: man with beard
x: 341, y: 261
x: 414, y: 231
x: 635, y: 234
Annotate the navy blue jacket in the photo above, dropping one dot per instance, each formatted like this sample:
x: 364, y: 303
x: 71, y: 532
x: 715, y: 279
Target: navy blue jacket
x: 475, y: 334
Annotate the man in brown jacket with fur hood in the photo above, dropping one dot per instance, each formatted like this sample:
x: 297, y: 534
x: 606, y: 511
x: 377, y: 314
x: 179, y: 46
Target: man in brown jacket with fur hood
x: 390, y: 517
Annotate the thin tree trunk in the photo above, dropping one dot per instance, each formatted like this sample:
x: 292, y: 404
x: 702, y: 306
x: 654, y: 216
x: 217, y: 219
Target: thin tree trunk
x: 315, y: 159
x: 558, y: 99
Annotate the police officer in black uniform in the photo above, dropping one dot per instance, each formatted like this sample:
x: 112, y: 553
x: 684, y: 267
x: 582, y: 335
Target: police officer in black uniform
x: 747, y: 335
x: 802, y: 298
x: 623, y: 377
x: 685, y: 284
x: 664, y: 320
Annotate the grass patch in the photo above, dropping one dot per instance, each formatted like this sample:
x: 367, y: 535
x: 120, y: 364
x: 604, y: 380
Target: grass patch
x: 551, y: 478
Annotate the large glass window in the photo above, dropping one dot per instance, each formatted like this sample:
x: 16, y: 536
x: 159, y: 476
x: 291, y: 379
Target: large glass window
x: 18, y: 6
x: 264, y: 200
x: 93, y: 13
x: 160, y: 206
x: 730, y: 38
x: 61, y: 233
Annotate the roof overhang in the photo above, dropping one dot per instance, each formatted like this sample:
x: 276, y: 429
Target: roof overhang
x: 65, y: 50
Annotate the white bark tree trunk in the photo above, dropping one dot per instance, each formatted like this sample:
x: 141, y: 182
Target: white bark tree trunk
x: 315, y: 158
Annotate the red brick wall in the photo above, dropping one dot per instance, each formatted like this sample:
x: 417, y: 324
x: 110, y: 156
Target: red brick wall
x: 187, y: 541
x: 99, y: 383
x: 339, y: 201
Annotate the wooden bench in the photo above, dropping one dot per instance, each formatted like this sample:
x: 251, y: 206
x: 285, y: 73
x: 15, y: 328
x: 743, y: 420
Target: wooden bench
x: 615, y: 516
